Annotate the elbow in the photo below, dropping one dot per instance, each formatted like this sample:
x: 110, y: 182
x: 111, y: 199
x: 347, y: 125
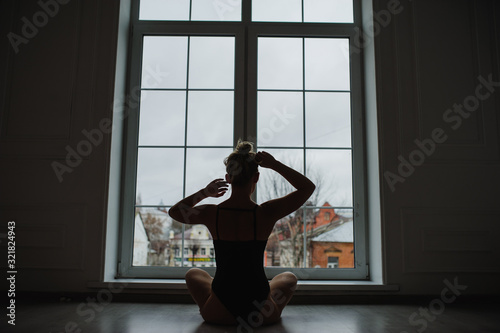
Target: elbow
x: 308, y: 188
x: 173, y: 213
x: 312, y: 188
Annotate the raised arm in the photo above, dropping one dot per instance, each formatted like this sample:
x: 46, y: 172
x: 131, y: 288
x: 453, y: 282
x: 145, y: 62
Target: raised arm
x: 185, y: 211
x: 281, y: 207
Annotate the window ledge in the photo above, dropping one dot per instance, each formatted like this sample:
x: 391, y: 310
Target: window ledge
x: 304, y: 287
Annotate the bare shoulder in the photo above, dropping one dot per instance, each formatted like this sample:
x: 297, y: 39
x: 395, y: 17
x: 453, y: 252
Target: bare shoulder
x: 266, y: 217
x: 201, y: 214
x: 207, y: 213
x: 271, y: 210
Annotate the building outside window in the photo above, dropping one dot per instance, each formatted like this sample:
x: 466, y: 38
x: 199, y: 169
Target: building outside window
x: 333, y: 262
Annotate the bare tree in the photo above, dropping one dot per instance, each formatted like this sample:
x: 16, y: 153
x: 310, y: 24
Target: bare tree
x: 275, y: 186
x: 175, y: 226
x: 289, y: 231
x: 194, y: 247
x: 154, y: 229
x: 153, y: 225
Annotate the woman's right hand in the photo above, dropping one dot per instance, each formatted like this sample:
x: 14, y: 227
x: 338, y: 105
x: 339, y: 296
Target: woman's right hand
x: 265, y: 160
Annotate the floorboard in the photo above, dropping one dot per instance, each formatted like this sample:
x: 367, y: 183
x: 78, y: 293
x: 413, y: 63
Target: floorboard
x: 57, y: 317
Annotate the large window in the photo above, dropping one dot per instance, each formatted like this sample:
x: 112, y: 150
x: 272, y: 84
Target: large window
x: 275, y: 72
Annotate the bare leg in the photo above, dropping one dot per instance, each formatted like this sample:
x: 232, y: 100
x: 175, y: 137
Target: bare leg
x: 199, y: 284
x: 282, y: 287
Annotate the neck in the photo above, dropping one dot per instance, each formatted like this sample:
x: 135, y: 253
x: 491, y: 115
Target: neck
x: 241, y: 193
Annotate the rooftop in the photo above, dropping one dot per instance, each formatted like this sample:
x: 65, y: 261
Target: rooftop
x: 344, y: 233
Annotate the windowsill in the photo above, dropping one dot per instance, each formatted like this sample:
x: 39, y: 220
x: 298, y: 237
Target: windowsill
x: 304, y: 287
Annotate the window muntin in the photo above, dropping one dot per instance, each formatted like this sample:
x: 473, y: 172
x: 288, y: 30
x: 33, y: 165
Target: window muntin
x: 310, y: 91
x: 303, y: 85
x: 340, y: 11
x: 321, y: 11
x: 194, y: 10
x: 162, y: 118
x: 175, y: 113
x: 331, y: 125
x: 328, y: 11
x: 164, y: 62
x: 211, y: 62
x: 202, y: 166
x: 279, y: 118
x: 192, y: 83
x: 153, y: 181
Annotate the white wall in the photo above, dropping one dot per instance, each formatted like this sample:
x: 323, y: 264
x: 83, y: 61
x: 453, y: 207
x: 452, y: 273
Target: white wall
x: 442, y: 222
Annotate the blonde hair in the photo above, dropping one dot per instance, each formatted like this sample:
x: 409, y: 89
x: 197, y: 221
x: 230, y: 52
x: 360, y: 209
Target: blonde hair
x: 240, y: 164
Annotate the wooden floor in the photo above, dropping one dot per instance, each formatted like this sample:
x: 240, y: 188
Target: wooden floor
x: 56, y: 317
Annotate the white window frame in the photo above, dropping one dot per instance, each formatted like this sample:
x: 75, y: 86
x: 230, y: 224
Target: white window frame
x: 246, y: 34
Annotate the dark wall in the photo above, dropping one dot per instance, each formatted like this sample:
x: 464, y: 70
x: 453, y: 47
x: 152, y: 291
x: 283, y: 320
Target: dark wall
x: 440, y: 220
x: 57, y: 73
x: 441, y: 193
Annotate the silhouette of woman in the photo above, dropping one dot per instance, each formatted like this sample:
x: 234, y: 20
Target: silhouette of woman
x: 240, y: 292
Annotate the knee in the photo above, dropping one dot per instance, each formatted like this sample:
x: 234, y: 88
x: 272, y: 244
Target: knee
x: 289, y: 280
x: 291, y: 276
x: 193, y: 273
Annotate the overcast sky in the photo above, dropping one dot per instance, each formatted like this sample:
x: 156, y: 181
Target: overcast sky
x: 340, y: 11
x: 280, y: 115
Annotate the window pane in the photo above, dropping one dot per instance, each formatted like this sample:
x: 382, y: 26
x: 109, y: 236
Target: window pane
x: 203, y: 166
x: 162, y: 117
x: 159, y: 176
x: 175, y: 249
x: 151, y: 234
x: 210, y: 118
x: 327, y: 64
x: 164, y: 62
x: 331, y: 171
x: 330, y: 239
x: 280, y: 63
x: 277, y: 10
x: 198, y: 248
x: 211, y: 63
x: 219, y: 10
x: 339, y: 11
x: 164, y: 10
x: 285, y: 245
x: 328, y: 119
x: 280, y: 119
x: 272, y: 185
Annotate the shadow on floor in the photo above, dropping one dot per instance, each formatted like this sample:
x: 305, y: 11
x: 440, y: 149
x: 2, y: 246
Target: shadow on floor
x: 210, y: 328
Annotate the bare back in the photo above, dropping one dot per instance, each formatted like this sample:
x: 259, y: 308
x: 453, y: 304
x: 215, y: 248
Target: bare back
x: 236, y: 222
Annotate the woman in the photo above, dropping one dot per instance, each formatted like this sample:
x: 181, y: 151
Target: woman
x: 240, y: 292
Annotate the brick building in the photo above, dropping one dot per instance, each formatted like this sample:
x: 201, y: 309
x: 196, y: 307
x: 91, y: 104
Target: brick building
x: 329, y: 240
x: 334, y: 248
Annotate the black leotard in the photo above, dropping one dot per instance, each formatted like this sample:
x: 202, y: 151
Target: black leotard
x: 240, y: 281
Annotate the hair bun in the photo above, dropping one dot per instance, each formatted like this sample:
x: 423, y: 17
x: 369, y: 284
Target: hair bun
x: 240, y: 164
x: 244, y: 147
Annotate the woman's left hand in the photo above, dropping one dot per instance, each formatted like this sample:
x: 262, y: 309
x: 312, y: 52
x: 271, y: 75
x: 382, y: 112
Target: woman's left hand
x: 216, y: 188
